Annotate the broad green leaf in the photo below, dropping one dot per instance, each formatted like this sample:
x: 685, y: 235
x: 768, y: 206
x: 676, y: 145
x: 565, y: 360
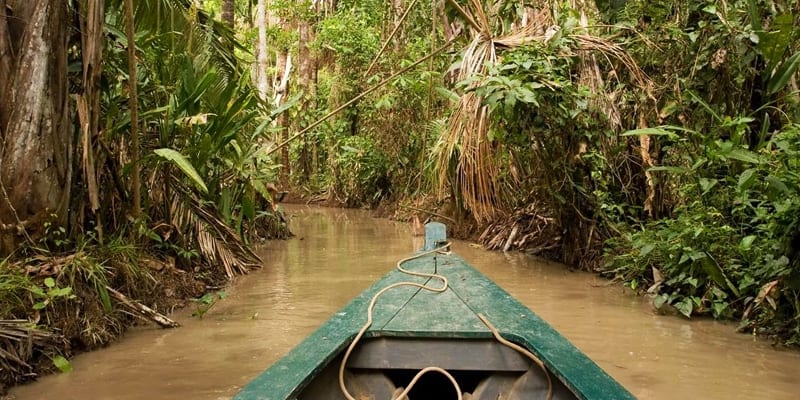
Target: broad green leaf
x: 652, y: 132
x: 746, y: 243
x: 248, y: 206
x: 746, y: 179
x: 783, y: 74
x: 774, y: 43
x: 755, y: 15
x: 659, y: 300
x: 49, y: 282
x: 717, y: 275
x: 674, y: 170
x: 183, y: 163
x: 287, y: 104
x: 777, y: 184
x: 719, y: 308
x: 737, y: 121
x: 207, y: 298
x: 66, y: 291
x: 62, y: 363
x: 105, y: 298
x: 743, y: 155
x: 37, y: 291
x: 707, y: 184
x: 447, y: 94
x: 646, y: 249
x: 685, y: 307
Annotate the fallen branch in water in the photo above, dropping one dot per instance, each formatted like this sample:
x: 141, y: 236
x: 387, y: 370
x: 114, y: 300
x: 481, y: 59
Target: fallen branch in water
x: 428, y: 212
x: 143, y: 310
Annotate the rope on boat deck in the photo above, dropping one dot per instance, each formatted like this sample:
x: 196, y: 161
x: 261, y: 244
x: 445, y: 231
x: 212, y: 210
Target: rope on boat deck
x: 423, y: 371
x: 366, y: 326
x: 519, y: 349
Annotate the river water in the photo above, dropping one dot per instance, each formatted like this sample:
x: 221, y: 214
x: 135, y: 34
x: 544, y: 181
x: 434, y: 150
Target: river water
x: 339, y: 253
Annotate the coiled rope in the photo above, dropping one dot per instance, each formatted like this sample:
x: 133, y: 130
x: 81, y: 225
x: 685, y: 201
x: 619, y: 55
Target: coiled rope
x: 441, y: 249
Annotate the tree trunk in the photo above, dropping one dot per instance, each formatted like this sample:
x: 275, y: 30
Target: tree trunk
x: 397, y: 13
x: 281, y: 89
x: 35, y: 158
x: 227, y: 12
x: 134, y: 104
x: 262, y: 53
x: 305, y: 84
x: 92, y: 22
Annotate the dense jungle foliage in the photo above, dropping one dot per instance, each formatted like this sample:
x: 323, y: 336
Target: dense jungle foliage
x: 654, y: 141
x: 657, y: 142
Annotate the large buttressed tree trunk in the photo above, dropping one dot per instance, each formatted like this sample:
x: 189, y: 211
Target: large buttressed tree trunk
x: 35, y: 158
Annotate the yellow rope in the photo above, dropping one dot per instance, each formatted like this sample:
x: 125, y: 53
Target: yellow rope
x: 366, y: 326
x: 522, y: 350
x: 423, y: 371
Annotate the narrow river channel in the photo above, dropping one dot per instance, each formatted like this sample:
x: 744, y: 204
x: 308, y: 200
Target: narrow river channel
x: 339, y: 253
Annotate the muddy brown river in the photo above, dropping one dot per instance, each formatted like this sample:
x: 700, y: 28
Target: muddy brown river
x: 339, y: 253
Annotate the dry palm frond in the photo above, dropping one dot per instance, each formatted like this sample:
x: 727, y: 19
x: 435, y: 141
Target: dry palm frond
x: 19, y: 339
x: 476, y: 170
x: 217, y: 242
x: 465, y: 158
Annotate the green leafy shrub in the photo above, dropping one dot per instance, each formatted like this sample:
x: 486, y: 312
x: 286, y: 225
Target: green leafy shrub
x: 360, y: 172
x: 731, y: 250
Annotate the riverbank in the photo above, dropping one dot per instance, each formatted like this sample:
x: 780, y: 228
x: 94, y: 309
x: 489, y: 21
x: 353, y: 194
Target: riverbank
x: 59, y: 306
x: 61, y: 298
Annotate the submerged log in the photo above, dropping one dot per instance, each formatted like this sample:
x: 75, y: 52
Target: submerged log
x: 511, y: 237
x: 143, y: 310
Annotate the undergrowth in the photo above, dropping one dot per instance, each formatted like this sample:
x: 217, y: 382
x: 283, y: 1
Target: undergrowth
x: 732, y: 250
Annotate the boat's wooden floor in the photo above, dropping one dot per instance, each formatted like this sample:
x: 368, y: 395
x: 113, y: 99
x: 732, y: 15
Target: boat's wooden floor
x: 412, y: 312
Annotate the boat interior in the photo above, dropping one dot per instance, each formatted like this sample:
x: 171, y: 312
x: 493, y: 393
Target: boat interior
x: 484, y: 369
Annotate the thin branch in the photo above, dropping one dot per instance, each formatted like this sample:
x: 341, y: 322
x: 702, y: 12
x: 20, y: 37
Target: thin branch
x: 466, y: 16
x: 389, y: 39
x: 429, y: 212
x: 359, y: 97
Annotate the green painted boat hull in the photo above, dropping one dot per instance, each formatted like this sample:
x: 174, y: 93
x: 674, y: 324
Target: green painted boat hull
x: 414, y: 327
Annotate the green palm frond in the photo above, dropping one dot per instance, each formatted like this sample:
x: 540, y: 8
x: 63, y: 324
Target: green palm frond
x: 178, y: 27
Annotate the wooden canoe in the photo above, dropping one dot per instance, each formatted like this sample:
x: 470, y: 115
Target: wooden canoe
x: 414, y: 328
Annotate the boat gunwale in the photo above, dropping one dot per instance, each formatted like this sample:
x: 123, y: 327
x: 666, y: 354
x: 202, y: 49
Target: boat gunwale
x: 288, y: 376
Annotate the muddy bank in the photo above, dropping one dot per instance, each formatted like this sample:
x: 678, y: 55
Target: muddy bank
x: 56, y: 307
